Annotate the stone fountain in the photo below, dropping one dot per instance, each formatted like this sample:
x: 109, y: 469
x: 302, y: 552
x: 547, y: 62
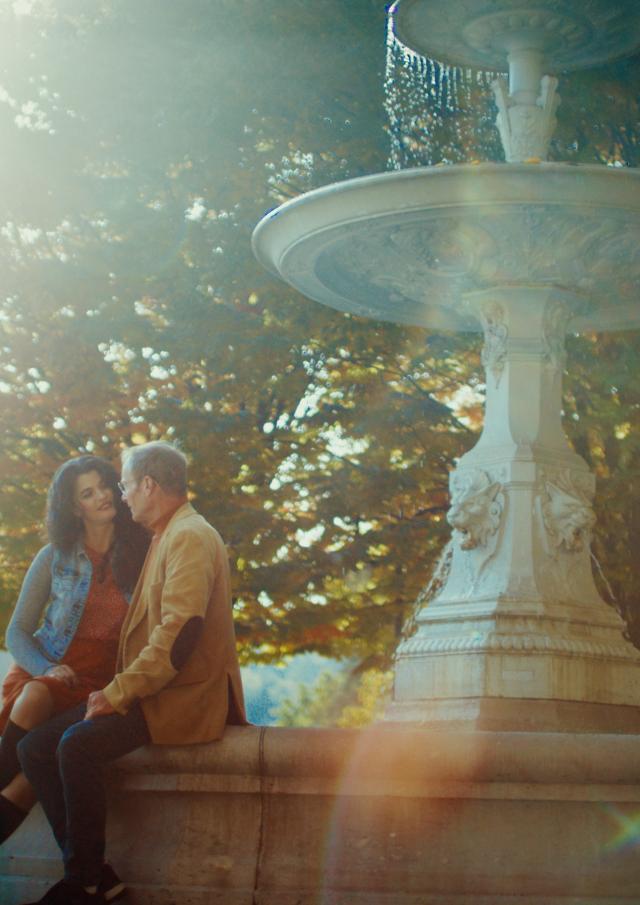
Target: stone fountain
x: 529, y: 790
x: 518, y: 637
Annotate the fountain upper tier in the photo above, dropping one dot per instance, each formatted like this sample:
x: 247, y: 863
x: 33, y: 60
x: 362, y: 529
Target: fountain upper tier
x: 531, y: 40
x: 572, y: 34
x: 411, y: 246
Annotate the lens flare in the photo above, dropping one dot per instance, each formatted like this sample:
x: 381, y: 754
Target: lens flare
x: 628, y: 835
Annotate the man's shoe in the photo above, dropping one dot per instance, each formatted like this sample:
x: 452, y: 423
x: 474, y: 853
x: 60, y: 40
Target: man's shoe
x: 65, y: 893
x: 111, y: 886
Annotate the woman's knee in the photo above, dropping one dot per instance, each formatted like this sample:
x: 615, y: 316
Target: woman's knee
x: 33, y: 706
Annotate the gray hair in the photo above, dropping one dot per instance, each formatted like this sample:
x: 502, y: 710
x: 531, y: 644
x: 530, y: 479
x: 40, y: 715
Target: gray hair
x: 162, y: 461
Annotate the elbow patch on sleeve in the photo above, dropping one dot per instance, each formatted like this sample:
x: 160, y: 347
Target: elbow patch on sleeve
x: 185, y: 643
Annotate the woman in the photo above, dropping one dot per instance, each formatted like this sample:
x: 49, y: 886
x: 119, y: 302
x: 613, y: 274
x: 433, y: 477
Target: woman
x: 80, y: 582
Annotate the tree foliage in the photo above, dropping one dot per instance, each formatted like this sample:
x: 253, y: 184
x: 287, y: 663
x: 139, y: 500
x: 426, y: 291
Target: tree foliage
x: 338, y: 699
x: 142, y: 142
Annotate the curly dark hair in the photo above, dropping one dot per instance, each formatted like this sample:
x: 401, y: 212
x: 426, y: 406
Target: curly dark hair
x: 64, y: 527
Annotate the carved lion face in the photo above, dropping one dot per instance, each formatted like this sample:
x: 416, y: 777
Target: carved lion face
x: 476, y: 515
x: 569, y: 518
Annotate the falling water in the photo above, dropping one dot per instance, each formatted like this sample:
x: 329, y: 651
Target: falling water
x: 436, y: 113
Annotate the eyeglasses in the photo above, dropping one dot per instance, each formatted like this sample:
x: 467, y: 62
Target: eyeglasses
x: 125, y: 487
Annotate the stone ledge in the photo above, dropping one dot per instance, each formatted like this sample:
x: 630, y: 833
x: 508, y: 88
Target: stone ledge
x: 388, y: 815
x: 391, y: 752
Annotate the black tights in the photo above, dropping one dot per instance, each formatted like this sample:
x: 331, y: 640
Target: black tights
x: 9, y: 763
x: 11, y: 816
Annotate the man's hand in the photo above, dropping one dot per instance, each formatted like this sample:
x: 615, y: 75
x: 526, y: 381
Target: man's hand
x: 98, y: 705
x: 63, y: 674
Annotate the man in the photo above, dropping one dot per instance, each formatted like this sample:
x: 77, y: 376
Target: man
x: 177, y: 677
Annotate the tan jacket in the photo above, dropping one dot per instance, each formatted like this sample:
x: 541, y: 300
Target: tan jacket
x: 185, y: 575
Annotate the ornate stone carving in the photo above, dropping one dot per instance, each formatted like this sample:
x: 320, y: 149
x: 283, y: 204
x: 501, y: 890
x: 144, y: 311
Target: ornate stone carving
x: 433, y: 261
x: 449, y: 253
x: 494, y: 351
x: 475, y: 509
x: 555, y: 324
x: 526, y: 129
x: 497, y: 642
x: 567, y: 515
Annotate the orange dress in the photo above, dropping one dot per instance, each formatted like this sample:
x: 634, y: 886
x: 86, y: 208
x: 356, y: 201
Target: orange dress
x: 92, y: 652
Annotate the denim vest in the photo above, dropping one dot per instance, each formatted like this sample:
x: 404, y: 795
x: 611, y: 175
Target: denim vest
x: 58, y: 584
x: 71, y: 575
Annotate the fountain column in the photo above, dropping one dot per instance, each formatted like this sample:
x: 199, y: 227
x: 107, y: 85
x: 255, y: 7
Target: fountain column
x: 526, y: 105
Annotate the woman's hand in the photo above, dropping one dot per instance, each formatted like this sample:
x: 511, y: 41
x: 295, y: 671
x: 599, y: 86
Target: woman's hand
x: 64, y: 674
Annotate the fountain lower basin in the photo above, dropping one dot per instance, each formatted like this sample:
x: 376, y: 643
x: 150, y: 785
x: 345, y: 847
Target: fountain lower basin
x: 410, y: 246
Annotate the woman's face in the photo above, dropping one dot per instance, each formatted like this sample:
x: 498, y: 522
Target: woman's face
x: 93, y: 499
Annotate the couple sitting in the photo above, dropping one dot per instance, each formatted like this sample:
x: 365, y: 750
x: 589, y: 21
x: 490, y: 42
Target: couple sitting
x: 113, y: 649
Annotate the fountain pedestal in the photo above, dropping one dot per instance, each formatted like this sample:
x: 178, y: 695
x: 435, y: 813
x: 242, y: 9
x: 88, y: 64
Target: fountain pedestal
x: 519, y: 618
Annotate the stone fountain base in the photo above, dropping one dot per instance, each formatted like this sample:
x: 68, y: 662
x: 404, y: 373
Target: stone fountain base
x: 516, y: 715
x: 382, y: 816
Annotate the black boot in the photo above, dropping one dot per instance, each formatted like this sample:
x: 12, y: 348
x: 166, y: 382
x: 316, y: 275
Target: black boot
x: 9, y: 763
x: 11, y: 816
